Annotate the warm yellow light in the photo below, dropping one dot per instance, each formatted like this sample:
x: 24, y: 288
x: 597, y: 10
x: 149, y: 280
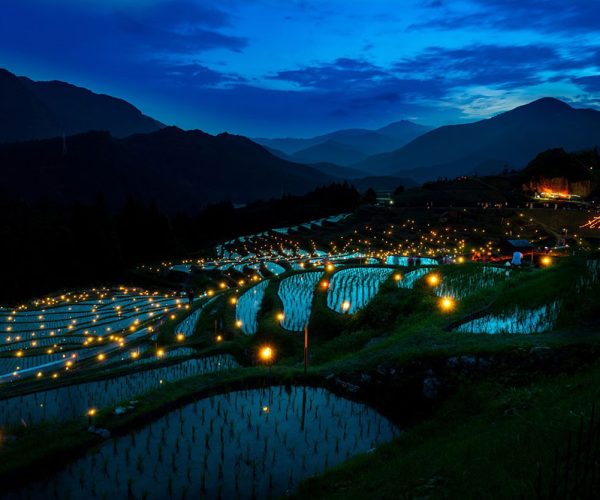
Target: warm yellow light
x: 546, y: 261
x: 180, y: 337
x: 330, y: 267
x: 433, y: 279
x: 101, y: 357
x: 135, y: 354
x: 460, y: 260
x: 233, y: 300
x: 447, y: 304
x: 324, y: 284
x: 239, y: 323
x: 397, y: 277
x: 222, y: 285
x: 266, y: 353
x: 219, y: 338
x: 345, y: 306
x: 160, y: 353
x: 280, y: 316
x: 91, y: 412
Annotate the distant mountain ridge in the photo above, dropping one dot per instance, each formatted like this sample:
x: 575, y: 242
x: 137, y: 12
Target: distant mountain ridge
x: 40, y: 110
x: 510, y: 139
x: 178, y: 170
x: 345, y: 147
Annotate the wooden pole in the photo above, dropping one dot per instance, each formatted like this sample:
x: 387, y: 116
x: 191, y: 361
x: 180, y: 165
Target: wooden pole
x: 305, y: 348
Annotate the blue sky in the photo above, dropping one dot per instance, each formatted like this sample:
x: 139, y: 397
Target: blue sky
x: 298, y: 68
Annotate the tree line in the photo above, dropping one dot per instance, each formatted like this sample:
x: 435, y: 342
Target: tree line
x: 49, y: 246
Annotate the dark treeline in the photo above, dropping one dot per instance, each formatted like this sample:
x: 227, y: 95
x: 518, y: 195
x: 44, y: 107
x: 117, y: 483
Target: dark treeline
x: 46, y: 247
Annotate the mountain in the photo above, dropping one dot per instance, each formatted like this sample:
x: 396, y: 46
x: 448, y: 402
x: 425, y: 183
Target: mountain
x: 365, y: 142
x: 511, y: 139
x: 178, y: 170
x: 37, y: 110
x: 334, y: 170
x: 329, y: 151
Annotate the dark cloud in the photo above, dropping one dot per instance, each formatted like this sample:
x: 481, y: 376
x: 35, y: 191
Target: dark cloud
x: 494, y: 65
x: 179, y: 13
x: 182, y: 26
x: 196, y: 75
x: 588, y: 83
x: 188, y: 39
x: 341, y: 73
x: 555, y: 16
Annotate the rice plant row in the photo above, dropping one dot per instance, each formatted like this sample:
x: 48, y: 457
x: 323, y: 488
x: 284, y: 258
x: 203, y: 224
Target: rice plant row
x: 459, y: 285
x: 402, y: 260
x: 247, y: 444
x: 296, y: 293
x: 409, y: 279
x: 352, y: 289
x: 518, y: 321
x: 248, y: 306
x: 70, y: 402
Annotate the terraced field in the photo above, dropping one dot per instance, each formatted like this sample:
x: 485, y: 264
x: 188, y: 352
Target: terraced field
x: 296, y: 293
x: 352, y: 289
x: 248, y: 306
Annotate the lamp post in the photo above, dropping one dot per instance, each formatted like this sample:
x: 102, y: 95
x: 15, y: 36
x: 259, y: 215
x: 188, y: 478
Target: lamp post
x: 266, y: 353
x: 305, y: 349
x: 90, y: 414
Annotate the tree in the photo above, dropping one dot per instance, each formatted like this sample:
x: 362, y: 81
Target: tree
x: 370, y: 196
x: 398, y: 191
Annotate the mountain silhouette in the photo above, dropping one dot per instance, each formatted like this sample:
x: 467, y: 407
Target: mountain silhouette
x: 510, y: 139
x: 337, y: 147
x: 38, y: 110
x: 329, y: 151
x: 178, y: 170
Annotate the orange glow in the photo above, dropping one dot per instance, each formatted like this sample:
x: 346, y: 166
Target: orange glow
x: 433, y: 280
x: 266, y: 353
x: 447, y: 304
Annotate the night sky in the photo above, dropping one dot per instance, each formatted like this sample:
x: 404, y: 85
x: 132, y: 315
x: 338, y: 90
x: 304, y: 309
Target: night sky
x: 283, y: 67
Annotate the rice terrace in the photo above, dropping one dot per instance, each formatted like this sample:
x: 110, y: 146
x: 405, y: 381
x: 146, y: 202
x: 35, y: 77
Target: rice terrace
x: 376, y: 276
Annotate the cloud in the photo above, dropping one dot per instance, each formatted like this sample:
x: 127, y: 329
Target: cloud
x: 482, y: 65
x: 341, y: 73
x: 179, y: 40
x: 181, y: 27
x: 588, y: 83
x: 548, y: 16
x: 195, y: 75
